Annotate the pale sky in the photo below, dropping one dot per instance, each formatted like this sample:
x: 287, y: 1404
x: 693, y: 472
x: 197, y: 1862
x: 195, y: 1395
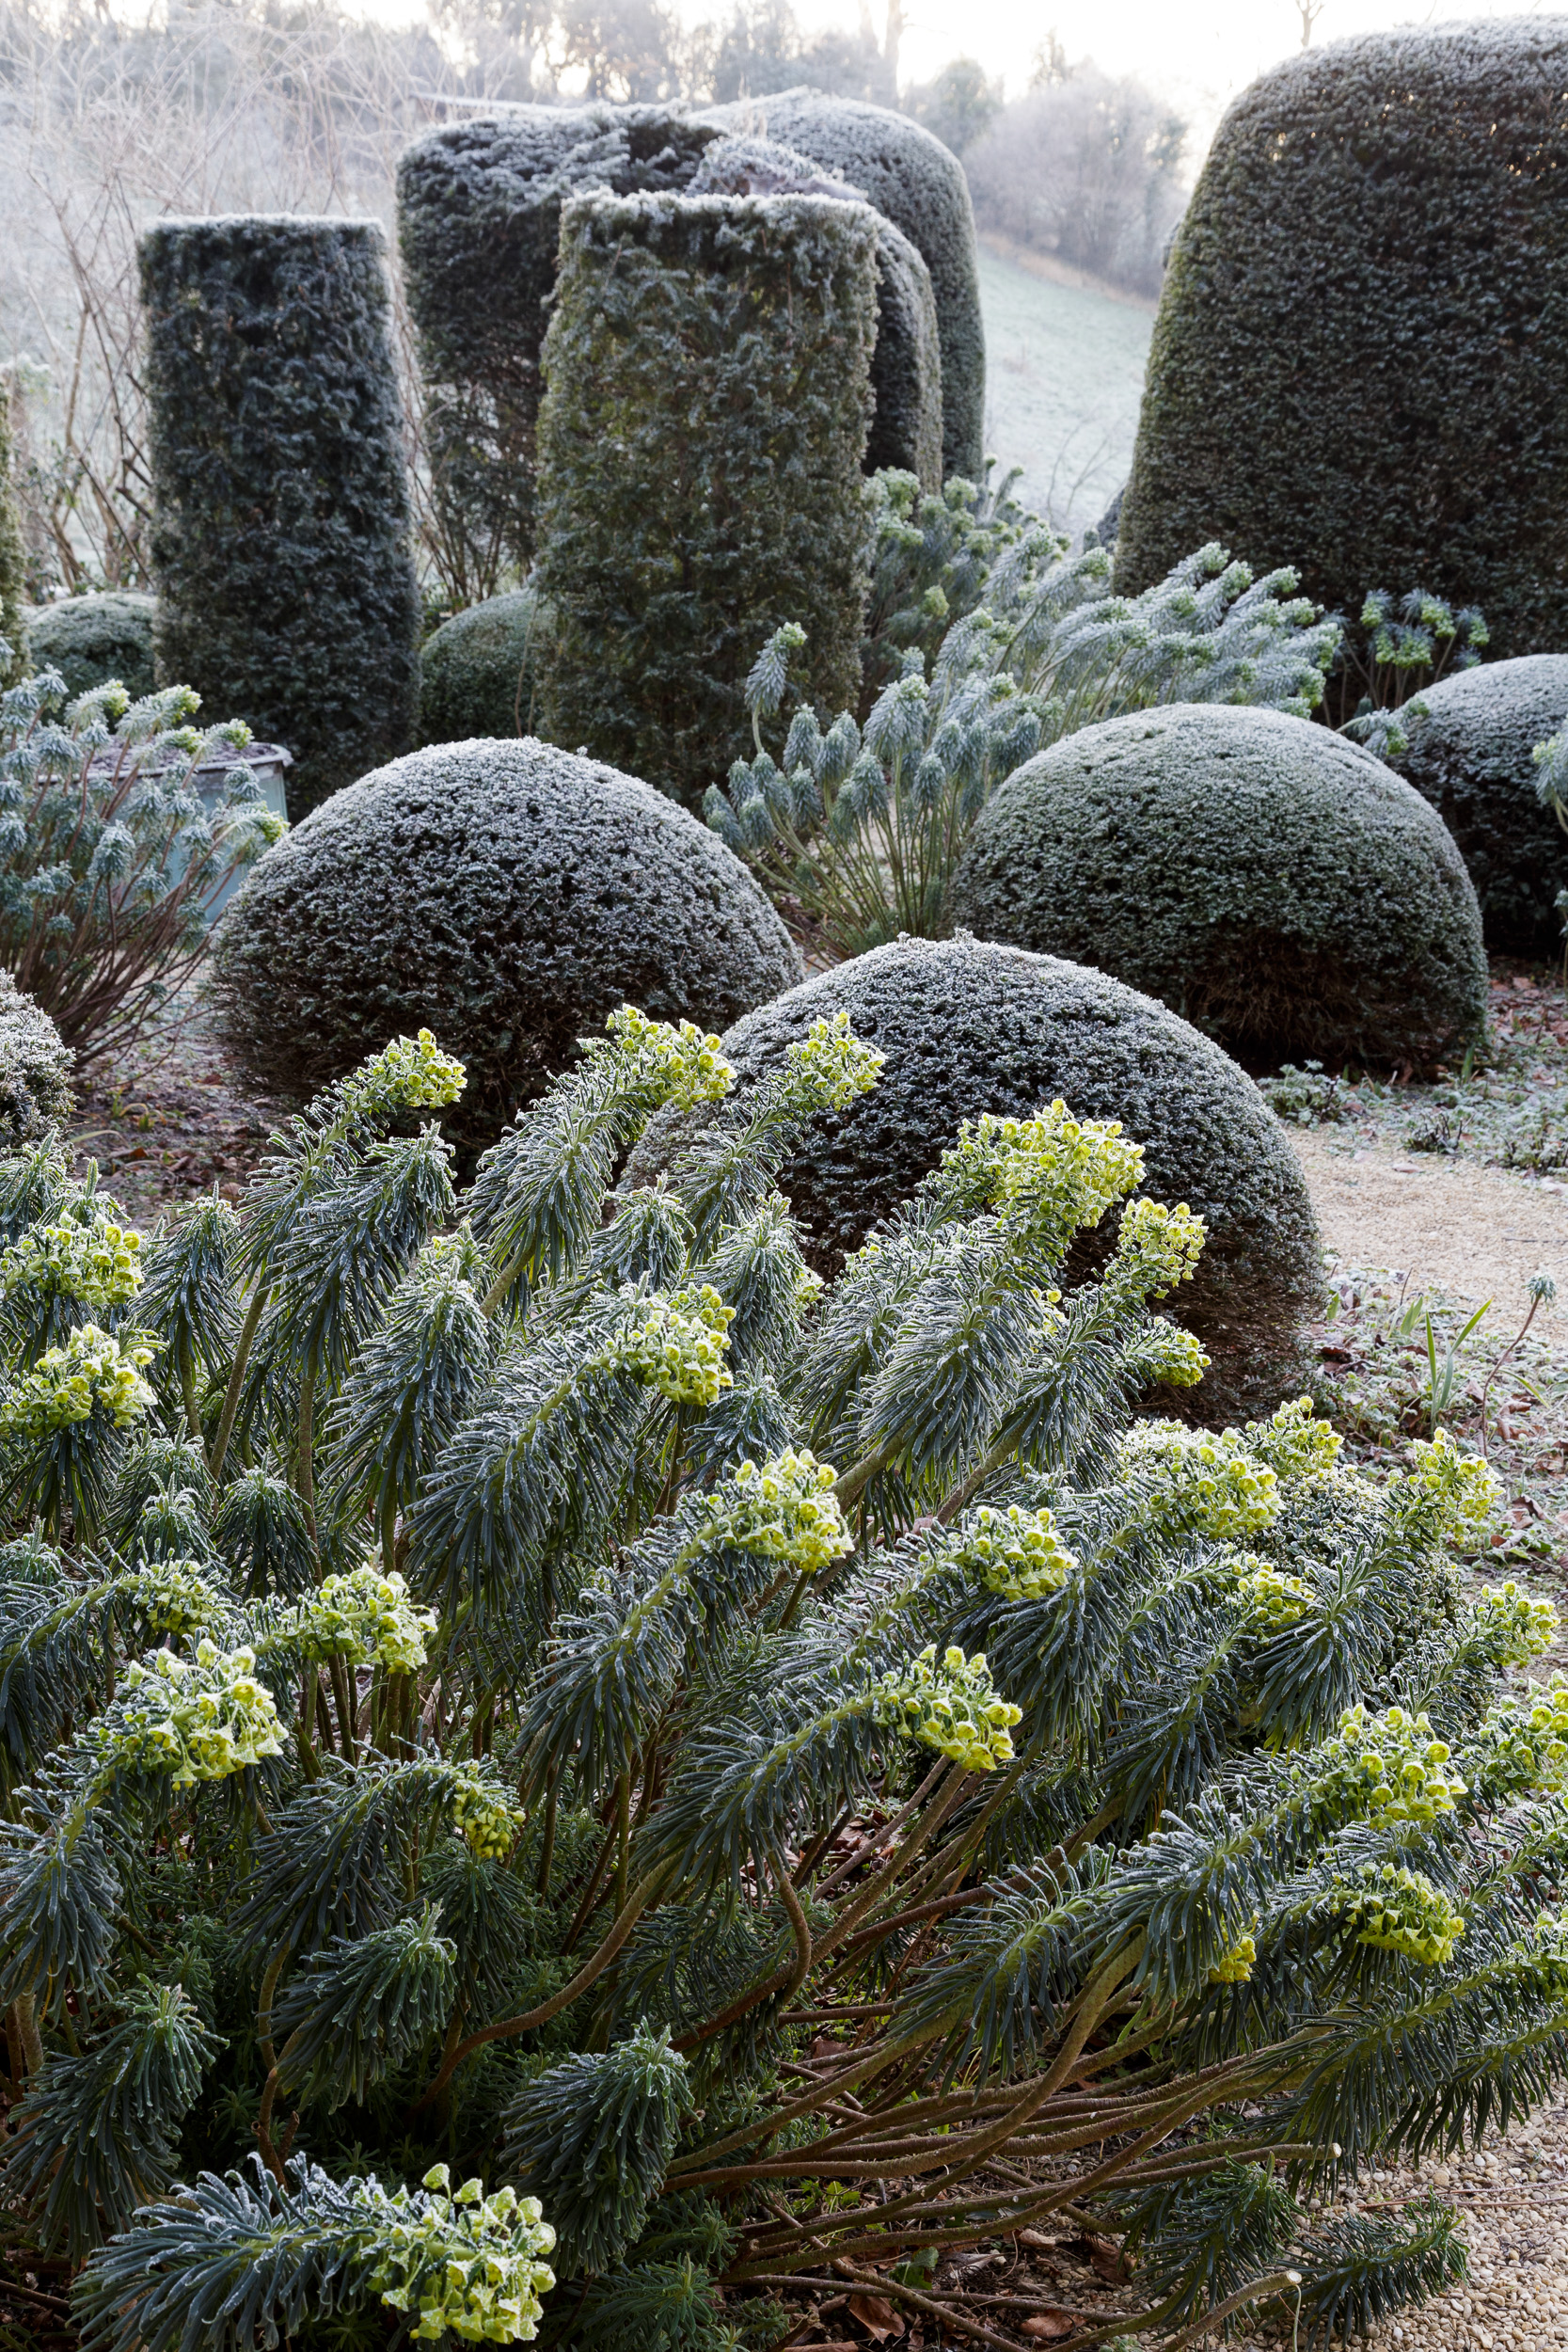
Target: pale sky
x: 1199, y: 55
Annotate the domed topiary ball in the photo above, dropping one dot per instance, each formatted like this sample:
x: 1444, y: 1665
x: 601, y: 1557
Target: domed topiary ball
x: 508, y: 895
x: 1269, y: 881
x: 90, y: 639
x: 967, y: 1028
x: 1471, y: 758
x: 477, y: 672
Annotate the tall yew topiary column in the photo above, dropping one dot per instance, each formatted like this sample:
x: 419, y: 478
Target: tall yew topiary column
x: 12, y: 561
x: 479, y: 229
x: 1360, y: 364
x: 706, y: 398
x: 287, y: 594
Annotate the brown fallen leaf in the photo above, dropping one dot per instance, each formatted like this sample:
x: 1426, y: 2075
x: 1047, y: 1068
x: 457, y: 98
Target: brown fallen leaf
x: 1106, y: 2259
x: 877, y: 2316
x: 1049, y: 2327
x: 1037, y: 2242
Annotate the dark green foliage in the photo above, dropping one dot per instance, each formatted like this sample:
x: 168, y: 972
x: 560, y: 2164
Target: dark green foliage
x: 120, y: 826
x: 479, y: 224
x: 920, y: 185
x: 513, y: 895
x: 13, y: 567
x: 35, y: 1069
x: 1364, y: 2270
x: 1210, y: 2233
x: 592, y: 2140
x: 906, y: 364
x: 1470, y: 755
x: 969, y: 1027
x: 476, y: 673
x: 548, y: 1839
x: 700, y: 447
x: 95, y: 2137
x: 351, y: 2013
x: 90, y: 639
x: 479, y: 220
x: 1359, y: 365
x: 1270, y: 881
x: 280, y: 544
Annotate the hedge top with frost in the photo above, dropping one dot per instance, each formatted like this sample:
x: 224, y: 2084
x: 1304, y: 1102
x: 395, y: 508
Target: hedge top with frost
x: 91, y: 638
x: 35, y: 1069
x: 1261, y: 873
x: 1360, y: 361
x: 969, y: 1027
x: 514, y: 893
x: 919, y: 183
x: 1471, y: 751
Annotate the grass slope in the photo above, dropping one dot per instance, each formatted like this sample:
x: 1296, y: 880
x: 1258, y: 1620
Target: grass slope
x: 1064, y: 375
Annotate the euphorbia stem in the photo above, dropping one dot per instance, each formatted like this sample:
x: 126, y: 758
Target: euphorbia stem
x: 642, y: 1896
x: 26, y: 2013
x: 623, y: 1839
x: 307, y: 1463
x: 546, y: 1855
x: 236, y: 1377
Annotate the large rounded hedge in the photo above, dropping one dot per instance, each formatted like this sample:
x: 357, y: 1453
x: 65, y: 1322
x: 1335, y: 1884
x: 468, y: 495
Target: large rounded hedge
x: 90, y: 639
x: 1471, y: 756
x: 506, y: 895
x: 35, y: 1069
x: 1360, y: 361
x: 1269, y: 881
x: 919, y: 183
x: 968, y: 1026
x: 476, y: 673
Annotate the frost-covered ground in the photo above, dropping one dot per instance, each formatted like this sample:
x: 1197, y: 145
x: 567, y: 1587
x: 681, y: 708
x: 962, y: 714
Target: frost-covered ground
x: 1064, y: 374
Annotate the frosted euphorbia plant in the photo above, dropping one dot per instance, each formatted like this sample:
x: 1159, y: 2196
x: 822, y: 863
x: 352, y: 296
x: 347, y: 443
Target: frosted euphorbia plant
x: 761, y: 1781
x: 990, y: 640
x: 111, y: 857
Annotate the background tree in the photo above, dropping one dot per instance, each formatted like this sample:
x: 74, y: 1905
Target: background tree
x: 958, y: 105
x: 1086, y: 166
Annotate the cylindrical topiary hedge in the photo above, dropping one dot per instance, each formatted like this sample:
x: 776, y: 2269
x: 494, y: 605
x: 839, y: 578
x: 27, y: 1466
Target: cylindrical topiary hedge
x: 1268, y: 879
x: 13, y: 609
x: 906, y: 362
x: 1360, y: 361
x: 507, y: 895
x: 479, y: 227
x: 476, y: 672
x: 287, y: 594
x: 479, y: 224
x: 1471, y: 756
x: 90, y: 639
x: 35, y: 1069
x: 968, y: 1026
x: 919, y: 183
x: 700, y: 439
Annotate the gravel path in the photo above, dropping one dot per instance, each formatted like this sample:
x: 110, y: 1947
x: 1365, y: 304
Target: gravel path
x: 1474, y: 1232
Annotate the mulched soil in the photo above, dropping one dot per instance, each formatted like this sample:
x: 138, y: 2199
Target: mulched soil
x: 173, y: 1121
